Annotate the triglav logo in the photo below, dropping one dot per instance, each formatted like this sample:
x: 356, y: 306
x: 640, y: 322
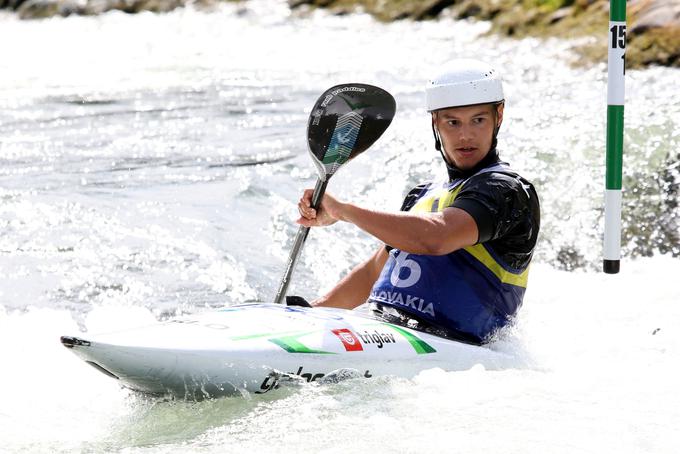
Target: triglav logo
x: 377, y: 338
x: 348, y: 339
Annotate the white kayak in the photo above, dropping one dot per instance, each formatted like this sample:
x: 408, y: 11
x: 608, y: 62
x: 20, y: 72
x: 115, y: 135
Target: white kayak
x: 257, y: 347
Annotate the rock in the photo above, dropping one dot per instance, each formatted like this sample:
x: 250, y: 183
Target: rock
x: 583, y: 4
x: 559, y: 15
x: 38, y: 9
x: 156, y: 6
x: 431, y: 8
x: 517, y: 21
x: 205, y: 5
x: 297, y: 3
x: 13, y: 4
x: 96, y: 7
x: 323, y: 3
x: 469, y: 9
x: 660, y: 46
x: 654, y: 36
x: 479, y: 9
x: 648, y: 14
x: 129, y: 6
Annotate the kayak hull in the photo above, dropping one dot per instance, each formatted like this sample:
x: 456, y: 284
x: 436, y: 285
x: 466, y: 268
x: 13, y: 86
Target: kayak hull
x: 258, y: 347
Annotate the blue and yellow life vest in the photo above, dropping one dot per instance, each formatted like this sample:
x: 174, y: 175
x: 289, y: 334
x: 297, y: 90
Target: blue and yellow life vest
x: 469, y: 291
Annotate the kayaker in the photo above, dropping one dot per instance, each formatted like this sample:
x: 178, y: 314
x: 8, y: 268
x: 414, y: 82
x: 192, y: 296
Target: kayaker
x: 455, y: 259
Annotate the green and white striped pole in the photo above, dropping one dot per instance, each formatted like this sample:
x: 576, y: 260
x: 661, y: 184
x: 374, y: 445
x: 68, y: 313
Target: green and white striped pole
x: 616, y: 70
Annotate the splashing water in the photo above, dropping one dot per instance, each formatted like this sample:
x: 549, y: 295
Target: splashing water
x: 150, y: 167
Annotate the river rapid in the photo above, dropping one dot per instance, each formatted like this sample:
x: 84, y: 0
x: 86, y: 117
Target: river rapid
x: 150, y: 166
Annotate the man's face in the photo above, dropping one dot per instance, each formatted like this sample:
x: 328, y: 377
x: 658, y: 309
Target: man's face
x: 467, y: 132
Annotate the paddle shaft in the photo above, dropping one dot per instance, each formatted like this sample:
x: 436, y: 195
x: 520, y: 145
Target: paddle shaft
x: 300, y: 239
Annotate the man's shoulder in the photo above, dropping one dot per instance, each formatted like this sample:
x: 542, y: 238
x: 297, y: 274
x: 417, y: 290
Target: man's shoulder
x: 498, y: 178
x: 498, y: 191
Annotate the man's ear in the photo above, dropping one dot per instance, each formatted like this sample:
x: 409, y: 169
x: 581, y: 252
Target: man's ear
x: 499, y: 111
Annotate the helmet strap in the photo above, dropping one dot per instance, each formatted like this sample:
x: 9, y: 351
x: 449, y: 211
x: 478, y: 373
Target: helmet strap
x: 495, y: 114
x: 497, y: 127
x: 437, y: 138
x: 438, y: 141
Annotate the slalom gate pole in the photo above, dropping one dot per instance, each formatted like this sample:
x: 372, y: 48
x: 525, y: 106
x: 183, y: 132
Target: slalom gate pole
x: 616, y: 70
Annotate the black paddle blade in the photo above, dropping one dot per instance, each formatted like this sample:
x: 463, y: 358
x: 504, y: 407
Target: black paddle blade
x: 345, y: 121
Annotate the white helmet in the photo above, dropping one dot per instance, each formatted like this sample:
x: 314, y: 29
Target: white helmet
x: 464, y: 83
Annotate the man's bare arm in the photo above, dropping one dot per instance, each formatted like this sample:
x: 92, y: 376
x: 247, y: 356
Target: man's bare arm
x: 416, y: 233
x: 354, y: 288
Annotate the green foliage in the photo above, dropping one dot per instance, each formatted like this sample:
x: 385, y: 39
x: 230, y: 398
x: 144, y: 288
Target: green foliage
x: 548, y: 5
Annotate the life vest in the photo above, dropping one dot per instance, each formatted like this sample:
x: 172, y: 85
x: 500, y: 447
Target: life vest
x: 469, y: 291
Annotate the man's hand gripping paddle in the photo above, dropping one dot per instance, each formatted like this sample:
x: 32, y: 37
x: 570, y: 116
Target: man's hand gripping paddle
x: 345, y: 121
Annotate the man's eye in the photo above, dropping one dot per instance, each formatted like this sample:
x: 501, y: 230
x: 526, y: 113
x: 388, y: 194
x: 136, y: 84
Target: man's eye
x: 453, y: 122
x: 478, y: 120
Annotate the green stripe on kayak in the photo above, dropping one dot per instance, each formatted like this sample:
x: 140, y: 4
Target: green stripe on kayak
x: 420, y: 346
x: 256, y: 336
x: 291, y: 344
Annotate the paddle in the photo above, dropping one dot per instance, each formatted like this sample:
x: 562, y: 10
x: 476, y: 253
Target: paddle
x: 345, y: 121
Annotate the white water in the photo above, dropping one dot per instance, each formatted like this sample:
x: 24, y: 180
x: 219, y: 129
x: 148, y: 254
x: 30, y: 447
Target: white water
x: 120, y: 202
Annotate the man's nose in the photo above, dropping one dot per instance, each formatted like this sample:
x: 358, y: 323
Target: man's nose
x: 466, y: 132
